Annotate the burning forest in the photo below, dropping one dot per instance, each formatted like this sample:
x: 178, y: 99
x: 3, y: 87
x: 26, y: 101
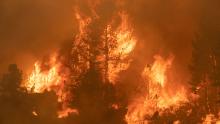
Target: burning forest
x: 109, y: 62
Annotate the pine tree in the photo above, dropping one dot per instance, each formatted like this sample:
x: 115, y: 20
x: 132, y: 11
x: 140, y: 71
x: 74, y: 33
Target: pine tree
x: 94, y: 94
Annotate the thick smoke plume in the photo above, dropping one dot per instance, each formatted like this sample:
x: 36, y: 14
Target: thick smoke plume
x: 29, y: 28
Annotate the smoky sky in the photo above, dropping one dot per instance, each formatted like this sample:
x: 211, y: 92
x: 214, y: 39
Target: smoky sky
x: 164, y: 27
x: 30, y: 29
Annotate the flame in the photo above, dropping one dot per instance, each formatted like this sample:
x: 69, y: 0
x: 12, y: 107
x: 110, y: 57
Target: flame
x: 157, y: 96
x: 157, y: 73
x: 39, y: 81
x: 121, y: 44
x: 126, y: 43
x: 82, y: 22
x: 211, y: 119
x: 50, y: 79
x: 80, y: 48
x: 125, y: 39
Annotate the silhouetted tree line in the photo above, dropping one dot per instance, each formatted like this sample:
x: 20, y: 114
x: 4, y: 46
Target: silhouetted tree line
x: 94, y: 95
x: 205, y: 66
x: 19, y: 107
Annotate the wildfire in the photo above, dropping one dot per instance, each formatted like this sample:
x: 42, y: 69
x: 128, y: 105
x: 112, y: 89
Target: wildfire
x: 157, y: 97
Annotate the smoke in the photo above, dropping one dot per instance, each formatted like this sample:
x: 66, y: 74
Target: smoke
x: 30, y: 29
x: 164, y: 27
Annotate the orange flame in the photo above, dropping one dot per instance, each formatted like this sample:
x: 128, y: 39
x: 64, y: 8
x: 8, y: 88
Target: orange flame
x: 125, y: 39
x: 126, y: 43
x: 157, y: 72
x: 157, y: 96
x: 211, y: 119
x: 39, y: 81
x: 82, y: 22
x: 49, y: 79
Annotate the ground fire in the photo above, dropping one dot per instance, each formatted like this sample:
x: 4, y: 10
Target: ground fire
x: 110, y: 62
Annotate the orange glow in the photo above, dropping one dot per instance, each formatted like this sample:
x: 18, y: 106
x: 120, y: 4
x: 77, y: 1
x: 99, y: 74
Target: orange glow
x: 115, y: 106
x: 158, y: 96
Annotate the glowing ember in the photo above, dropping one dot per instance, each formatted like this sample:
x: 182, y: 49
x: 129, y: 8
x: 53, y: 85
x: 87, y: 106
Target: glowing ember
x: 34, y: 113
x: 115, y: 106
x: 157, y: 97
x: 65, y: 113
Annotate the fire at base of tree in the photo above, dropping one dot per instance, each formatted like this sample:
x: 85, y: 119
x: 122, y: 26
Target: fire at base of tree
x: 107, y: 74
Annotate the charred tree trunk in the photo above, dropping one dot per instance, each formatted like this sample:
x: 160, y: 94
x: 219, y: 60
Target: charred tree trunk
x: 106, y: 50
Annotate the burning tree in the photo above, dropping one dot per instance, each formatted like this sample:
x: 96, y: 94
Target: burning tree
x: 157, y: 101
x: 93, y: 90
x: 97, y: 51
